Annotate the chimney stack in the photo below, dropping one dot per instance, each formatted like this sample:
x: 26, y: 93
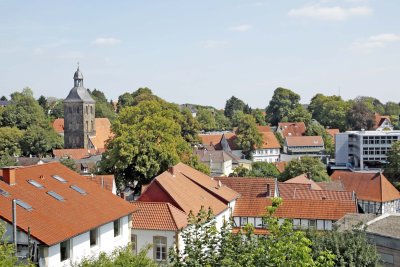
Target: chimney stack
x: 9, y: 175
x: 171, y: 170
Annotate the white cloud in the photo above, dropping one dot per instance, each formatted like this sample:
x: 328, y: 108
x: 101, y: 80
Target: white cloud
x: 335, y: 13
x: 214, y: 44
x: 106, y: 41
x: 241, y: 28
x: 375, y: 41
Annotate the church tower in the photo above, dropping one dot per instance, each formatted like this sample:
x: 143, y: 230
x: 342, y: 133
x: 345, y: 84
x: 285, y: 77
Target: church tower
x: 79, y: 115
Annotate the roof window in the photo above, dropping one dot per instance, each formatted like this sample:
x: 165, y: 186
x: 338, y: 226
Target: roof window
x: 23, y: 205
x: 59, y: 178
x: 55, y: 195
x: 35, y: 184
x: 4, y: 193
x: 78, y: 189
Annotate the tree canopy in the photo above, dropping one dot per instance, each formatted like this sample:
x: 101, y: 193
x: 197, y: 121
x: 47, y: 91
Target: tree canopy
x: 283, y: 102
x: 234, y: 104
x: 360, y: 115
x: 305, y: 165
x: 248, y: 136
x: 392, y: 169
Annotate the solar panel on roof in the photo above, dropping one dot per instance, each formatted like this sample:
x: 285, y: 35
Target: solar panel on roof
x: 35, y: 184
x: 23, y: 204
x: 59, y: 178
x: 78, y: 189
x: 55, y: 195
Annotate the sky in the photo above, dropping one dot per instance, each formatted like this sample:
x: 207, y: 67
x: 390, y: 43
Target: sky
x: 203, y: 52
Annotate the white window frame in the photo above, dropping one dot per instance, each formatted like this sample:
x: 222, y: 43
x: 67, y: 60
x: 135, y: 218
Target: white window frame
x: 160, y: 243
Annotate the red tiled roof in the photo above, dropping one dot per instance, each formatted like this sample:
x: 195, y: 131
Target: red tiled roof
x: 280, y: 165
x: 52, y: 221
x: 303, y: 179
x: 187, y: 194
x: 332, y: 132
x: 106, y: 180
x: 287, y: 190
x: 331, y: 185
x: 75, y: 153
x: 158, y: 216
x: 270, y: 140
x: 210, y: 139
x: 367, y: 185
x: 379, y: 119
x: 304, y: 141
x: 250, y: 186
x: 58, y: 125
x: 292, y: 128
x: 231, y: 137
x: 322, y: 194
x: 264, y: 129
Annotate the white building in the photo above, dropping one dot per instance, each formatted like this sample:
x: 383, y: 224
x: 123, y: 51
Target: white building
x: 68, y: 216
x: 364, y: 149
x: 269, y: 151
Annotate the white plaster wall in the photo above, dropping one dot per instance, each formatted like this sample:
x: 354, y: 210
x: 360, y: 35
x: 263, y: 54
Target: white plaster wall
x: 145, y: 237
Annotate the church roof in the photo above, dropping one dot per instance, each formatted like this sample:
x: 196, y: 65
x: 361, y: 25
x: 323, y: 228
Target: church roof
x: 79, y: 94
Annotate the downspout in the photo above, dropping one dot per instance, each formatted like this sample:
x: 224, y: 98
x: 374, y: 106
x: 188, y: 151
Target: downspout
x: 14, y: 216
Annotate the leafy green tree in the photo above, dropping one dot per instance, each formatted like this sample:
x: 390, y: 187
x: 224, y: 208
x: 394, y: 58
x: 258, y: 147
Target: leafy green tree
x: 40, y: 140
x: 282, y: 103
x: 121, y: 257
x: 330, y: 111
x: 103, y: 108
x: 43, y: 103
x: 222, y: 122
x: 3, y: 98
x: 240, y: 171
x: 70, y: 163
x: 259, y: 116
x: 264, y: 169
x: 23, y: 111
x: 299, y: 114
x: 350, y: 247
x: 308, y: 165
x: 7, y: 160
x: 57, y: 109
x: 232, y: 105
x: 374, y: 104
x: 148, y: 139
x: 206, y: 119
x: 248, y: 136
x: 392, y: 169
x: 9, y: 141
x: 316, y: 129
x: 392, y: 108
x: 361, y: 115
x: 190, y: 127
x: 133, y: 99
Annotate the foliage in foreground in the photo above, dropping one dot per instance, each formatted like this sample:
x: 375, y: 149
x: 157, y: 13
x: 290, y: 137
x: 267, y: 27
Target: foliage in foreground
x: 206, y: 246
x: 122, y: 257
x: 308, y: 165
x: 7, y: 256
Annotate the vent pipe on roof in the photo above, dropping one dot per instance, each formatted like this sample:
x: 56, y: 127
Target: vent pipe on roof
x: 171, y: 170
x: 14, y: 222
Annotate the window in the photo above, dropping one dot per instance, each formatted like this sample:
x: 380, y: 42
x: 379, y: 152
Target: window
x: 78, y: 189
x: 55, y: 195
x: 94, y: 237
x: 160, y: 248
x: 23, y: 204
x: 312, y: 224
x: 65, y: 250
x: 87, y: 110
x: 59, y: 178
x: 243, y: 221
x: 117, y: 228
x: 134, y: 243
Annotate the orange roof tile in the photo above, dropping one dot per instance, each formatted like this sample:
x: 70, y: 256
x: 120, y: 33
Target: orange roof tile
x: 292, y: 128
x: 75, y: 153
x: 52, y: 221
x: 210, y: 139
x: 250, y: 186
x: 379, y: 119
x: 287, y: 190
x: 58, y: 125
x: 304, y: 141
x: 280, y: 165
x: 270, y: 140
x: 158, y: 216
x: 332, y: 132
x: 184, y: 193
x: 264, y: 129
x: 303, y: 179
x: 331, y: 185
x: 322, y: 194
x: 107, y: 181
x: 367, y: 185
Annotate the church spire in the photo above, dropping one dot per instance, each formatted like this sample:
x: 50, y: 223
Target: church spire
x: 78, y: 78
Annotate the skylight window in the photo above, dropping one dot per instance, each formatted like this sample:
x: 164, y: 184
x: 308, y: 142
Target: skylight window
x: 55, y: 195
x: 59, y: 178
x: 23, y: 205
x: 4, y: 193
x: 35, y: 184
x: 78, y: 189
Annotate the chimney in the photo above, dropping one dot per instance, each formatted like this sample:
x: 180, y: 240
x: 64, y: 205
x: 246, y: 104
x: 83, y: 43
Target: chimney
x: 171, y: 170
x: 9, y: 175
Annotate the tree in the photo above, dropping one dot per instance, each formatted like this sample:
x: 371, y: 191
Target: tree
x: 240, y: 171
x: 190, y: 127
x: 282, y: 103
x: 392, y: 108
x: 299, y: 114
x: 23, y: 111
x: 232, y: 105
x: 360, y: 116
x: 121, y: 257
x: 148, y: 139
x: 259, y: 116
x: 264, y: 169
x: 133, y: 99
x: 305, y: 165
x: 43, y: 103
x: 9, y: 141
x: 248, y: 136
x: 3, y: 98
x: 316, y: 129
x: 70, y: 163
x: 206, y: 119
x: 7, y: 160
x: 39, y: 141
x: 222, y: 122
x: 7, y: 251
x: 103, y: 108
x: 57, y: 109
x: 392, y: 169
x: 350, y: 247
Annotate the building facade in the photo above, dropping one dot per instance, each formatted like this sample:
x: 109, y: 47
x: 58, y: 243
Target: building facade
x: 79, y: 115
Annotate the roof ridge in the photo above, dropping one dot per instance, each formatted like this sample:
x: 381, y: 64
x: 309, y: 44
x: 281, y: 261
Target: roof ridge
x: 172, y: 214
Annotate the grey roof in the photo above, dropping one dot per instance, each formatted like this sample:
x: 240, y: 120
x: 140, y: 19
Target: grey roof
x: 79, y: 94
x: 4, y: 103
x: 78, y: 75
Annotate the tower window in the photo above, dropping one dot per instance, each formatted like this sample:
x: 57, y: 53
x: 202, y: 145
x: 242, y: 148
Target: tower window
x: 91, y: 109
x: 92, y: 126
x: 87, y: 125
x: 87, y: 110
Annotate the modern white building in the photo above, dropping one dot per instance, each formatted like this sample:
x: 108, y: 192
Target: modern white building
x: 67, y: 216
x: 364, y: 149
x: 269, y: 151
